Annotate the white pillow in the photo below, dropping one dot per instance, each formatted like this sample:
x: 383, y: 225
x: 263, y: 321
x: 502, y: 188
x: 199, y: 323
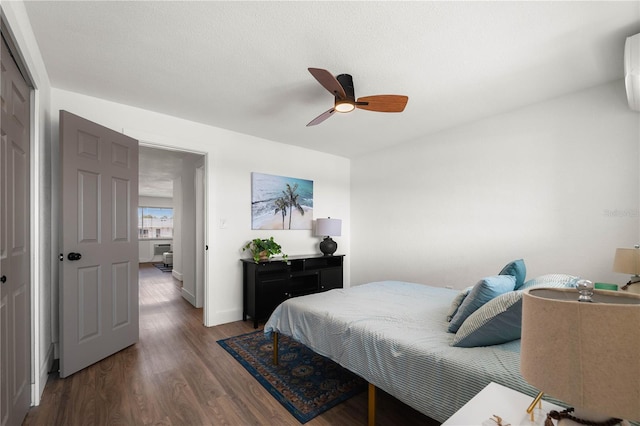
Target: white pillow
x: 551, y: 281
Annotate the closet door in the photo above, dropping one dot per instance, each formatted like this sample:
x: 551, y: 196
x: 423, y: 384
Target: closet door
x: 15, y: 315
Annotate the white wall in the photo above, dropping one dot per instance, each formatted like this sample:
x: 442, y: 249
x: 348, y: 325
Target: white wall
x: 230, y: 159
x: 44, y: 260
x: 555, y: 183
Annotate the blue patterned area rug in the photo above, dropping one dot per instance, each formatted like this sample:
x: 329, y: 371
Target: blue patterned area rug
x: 163, y: 268
x: 305, y: 383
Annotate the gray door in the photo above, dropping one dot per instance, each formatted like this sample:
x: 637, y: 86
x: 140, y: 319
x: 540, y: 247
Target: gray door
x: 99, y: 256
x: 15, y: 312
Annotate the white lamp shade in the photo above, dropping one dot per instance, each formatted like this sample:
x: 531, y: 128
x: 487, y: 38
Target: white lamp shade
x: 328, y: 227
x: 627, y: 261
x: 584, y: 354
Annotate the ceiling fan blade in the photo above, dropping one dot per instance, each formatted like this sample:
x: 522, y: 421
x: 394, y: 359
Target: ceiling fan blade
x: 328, y: 81
x: 383, y: 103
x: 319, y: 119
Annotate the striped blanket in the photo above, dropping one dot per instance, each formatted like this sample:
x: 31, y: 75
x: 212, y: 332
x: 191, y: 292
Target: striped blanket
x: 394, y: 335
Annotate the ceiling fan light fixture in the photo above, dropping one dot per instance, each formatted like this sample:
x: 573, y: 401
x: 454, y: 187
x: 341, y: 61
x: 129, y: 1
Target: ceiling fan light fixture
x: 341, y: 87
x: 344, y: 105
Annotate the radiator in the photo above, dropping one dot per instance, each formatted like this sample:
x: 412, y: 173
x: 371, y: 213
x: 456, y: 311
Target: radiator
x: 161, y: 248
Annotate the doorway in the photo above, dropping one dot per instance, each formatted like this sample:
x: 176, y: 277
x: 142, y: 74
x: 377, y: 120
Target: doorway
x: 174, y: 179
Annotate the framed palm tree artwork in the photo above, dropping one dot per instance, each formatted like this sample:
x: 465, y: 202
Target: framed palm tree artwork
x: 280, y: 202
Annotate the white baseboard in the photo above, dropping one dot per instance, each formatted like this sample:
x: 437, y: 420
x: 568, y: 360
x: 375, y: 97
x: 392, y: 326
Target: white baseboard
x: 177, y: 275
x: 224, y: 317
x: 189, y: 297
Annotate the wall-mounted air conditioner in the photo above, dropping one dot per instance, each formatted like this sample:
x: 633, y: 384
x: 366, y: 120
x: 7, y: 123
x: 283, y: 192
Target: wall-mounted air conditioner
x: 632, y: 71
x: 161, y: 248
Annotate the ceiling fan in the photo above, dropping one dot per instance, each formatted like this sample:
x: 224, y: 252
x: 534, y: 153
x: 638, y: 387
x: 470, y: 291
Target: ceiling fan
x: 341, y: 87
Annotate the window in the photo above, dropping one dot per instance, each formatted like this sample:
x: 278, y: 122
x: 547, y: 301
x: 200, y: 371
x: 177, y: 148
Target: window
x: 155, y: 222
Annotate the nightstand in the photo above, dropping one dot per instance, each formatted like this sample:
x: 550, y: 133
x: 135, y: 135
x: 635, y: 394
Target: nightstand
x: 501, y: 401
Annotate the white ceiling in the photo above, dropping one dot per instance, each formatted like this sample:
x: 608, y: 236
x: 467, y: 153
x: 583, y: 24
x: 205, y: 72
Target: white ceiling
x: 243, y: 65
x: 157, y: 170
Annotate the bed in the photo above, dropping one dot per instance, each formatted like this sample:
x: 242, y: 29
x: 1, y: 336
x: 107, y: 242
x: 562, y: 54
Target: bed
x: 395, y: 335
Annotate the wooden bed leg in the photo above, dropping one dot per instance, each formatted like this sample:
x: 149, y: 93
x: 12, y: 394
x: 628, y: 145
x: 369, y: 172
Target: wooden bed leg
x: 371, y: 411
x: 275, y: 348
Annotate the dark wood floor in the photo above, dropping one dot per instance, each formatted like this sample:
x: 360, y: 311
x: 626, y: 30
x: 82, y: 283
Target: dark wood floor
x: 178, y: 375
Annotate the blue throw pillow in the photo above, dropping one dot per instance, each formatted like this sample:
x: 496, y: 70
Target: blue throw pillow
x: 518, y: 270
x: 456, y: 302
x: 498, y: 321
x: 486, y: 289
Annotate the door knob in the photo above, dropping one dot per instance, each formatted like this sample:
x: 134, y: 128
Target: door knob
x: 74, y: 256
x: 3, y: 279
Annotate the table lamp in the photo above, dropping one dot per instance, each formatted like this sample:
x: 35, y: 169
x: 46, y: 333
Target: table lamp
x: 328, y: 228
x: 627, y: 261
x: 586, y: 354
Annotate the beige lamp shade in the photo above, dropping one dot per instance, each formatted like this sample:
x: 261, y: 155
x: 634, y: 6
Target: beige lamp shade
x: 584, y: 354
x: 627, y: 261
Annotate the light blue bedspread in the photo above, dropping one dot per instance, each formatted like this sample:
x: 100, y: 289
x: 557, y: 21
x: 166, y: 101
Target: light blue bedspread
x: 394, y: 335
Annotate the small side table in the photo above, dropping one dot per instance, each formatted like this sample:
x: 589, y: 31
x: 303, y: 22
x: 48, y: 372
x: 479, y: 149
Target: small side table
x: 501, y: 401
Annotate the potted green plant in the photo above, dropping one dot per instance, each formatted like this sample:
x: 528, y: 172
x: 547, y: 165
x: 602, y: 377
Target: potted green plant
x: 263, y: 248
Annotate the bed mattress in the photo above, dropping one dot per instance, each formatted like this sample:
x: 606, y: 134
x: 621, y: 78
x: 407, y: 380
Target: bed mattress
x: 394, y: 335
